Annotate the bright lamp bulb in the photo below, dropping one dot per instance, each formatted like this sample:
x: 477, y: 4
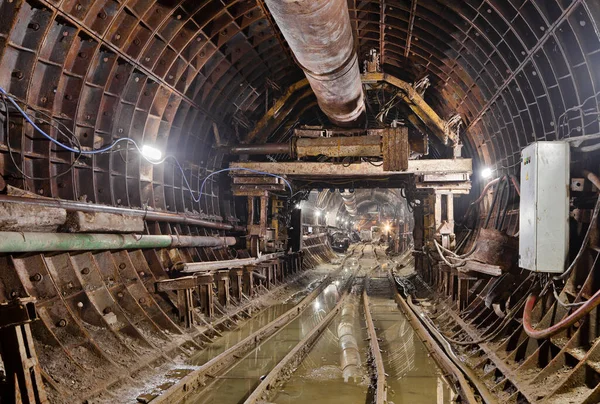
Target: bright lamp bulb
x: 317, y: 213
x: 486, y: 172
x: 152, y: 154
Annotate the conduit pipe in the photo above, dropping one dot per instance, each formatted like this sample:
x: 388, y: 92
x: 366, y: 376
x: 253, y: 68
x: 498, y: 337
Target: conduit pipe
x: 151, y: 215
x: 320, y: 36
x: 17, y: 242
x: 563, y: 324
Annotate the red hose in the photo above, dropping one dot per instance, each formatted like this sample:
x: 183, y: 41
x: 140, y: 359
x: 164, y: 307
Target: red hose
x: 562, y: 324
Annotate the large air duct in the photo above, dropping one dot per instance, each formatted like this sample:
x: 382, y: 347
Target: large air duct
x: 349, y: 199
x: 320, y: 36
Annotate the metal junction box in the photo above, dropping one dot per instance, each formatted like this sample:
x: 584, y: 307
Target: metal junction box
x: 544, y: 207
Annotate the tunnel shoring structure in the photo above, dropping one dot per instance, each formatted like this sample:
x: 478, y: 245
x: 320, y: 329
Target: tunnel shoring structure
x: 176, y: 77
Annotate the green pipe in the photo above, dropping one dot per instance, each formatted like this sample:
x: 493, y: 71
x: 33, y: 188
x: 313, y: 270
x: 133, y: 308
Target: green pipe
x: 16, y: 242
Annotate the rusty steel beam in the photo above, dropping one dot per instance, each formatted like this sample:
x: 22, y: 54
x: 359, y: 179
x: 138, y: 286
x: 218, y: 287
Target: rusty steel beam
x: 324, y: 170
x: 382, y: 26
x: 381, y: 388
x: 418, y: 105
x: 320, y: 36
x: 375, y: 144
x: 339, y: 146
x: 151, y: 215
x: 260, y: 149
x: 424, y: 116
x: 278, y: 112
x: 411, y: 25
x: 191, y: 267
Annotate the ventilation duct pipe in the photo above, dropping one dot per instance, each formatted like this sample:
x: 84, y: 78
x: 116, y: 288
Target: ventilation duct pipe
x: 320, y: 36
x: 349, y: 199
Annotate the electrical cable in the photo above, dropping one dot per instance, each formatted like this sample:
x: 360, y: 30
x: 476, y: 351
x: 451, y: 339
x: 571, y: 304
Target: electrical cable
x: 451, y: 265
x: 586, y: 239
x: 11, y: 152
x: 563, y: 304
x: 108, y: 148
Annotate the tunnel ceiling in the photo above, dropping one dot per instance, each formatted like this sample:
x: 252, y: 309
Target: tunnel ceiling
x: 177, y: 74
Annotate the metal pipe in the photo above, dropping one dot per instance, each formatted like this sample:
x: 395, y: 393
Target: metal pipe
x: 191, y: 267
x: 17, y: 242
x: 320, y: 36
x: 157, y: 216
x: 260, y: 149
x: 337, y: 146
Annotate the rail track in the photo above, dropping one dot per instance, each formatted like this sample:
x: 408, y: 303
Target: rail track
x: 200, y: 380
x: 274, y: 363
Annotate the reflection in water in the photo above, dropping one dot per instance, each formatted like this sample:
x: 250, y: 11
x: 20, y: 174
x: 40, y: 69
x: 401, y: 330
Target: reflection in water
x: 412, y: 376
x: 239, y: 381
x: 402, y: 358
x: 350, y: 355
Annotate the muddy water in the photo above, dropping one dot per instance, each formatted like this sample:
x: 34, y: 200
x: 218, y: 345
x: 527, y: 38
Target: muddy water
x: 413, y: 377
x: 231, y: 337
x: 239, y: 381
x: 319, y: 378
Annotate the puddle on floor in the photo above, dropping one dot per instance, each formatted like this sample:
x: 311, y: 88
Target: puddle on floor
x: 413, y: 376
x: 239, y: 381
x: 319, y: 378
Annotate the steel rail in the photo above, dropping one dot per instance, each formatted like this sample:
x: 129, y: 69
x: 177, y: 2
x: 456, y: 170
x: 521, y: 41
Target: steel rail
x: 198, y: 379
x: 286, y: 366
x: 381, y: 387
x: 482, y: 389
x: 438, y: 354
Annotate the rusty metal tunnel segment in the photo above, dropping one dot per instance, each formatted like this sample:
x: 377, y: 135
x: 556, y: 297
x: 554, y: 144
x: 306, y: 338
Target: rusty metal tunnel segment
x: 320, y: 36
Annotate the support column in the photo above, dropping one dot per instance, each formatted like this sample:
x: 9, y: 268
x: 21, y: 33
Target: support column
x: 222, y: 281
x: 185, y: 306
x: 206, y: 299
x: 235, y: 275
x: 248, y: 280
x: 23, y: 372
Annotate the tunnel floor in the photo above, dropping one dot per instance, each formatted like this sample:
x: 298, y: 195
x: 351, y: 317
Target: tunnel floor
x: 318, y: 375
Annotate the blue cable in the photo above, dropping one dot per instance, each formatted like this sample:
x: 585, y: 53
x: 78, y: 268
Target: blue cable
x: 56, y: 142
x: 128, y: 139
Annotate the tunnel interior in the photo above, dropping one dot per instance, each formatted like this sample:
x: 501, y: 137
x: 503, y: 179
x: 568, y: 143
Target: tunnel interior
x: 151, y: 151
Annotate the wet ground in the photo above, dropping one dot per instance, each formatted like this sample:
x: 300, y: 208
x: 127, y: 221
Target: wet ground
x: 412, y: 377
x: 240, y: 380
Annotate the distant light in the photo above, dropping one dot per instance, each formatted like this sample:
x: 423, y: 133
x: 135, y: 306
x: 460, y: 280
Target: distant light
x: 151, y: 154
x: 486, y: 172
x: 297, y: 206
x: 387, y: 228
x: 318, y: 213
x: 317, y: 305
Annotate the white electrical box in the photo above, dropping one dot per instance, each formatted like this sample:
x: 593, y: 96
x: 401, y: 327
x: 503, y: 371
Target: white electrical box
x: 544, y: 207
